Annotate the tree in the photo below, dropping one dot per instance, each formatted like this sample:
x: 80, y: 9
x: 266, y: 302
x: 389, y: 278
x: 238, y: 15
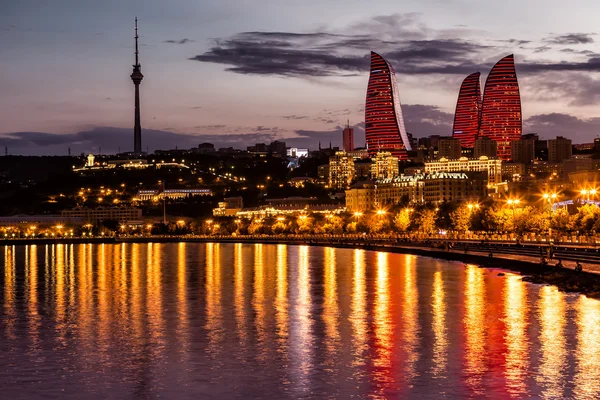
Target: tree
x: 561, y: 221
x: 461, y: 218
x: 402, y: 220
x: 426, y: 221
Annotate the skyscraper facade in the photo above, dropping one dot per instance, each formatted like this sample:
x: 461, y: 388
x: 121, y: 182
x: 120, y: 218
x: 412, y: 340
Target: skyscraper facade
x: 384, y: 123
x: 468, y: 111
x: 501, y: 118
x: 348, y: 138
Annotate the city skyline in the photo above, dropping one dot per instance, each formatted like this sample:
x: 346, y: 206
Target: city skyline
x: 81, y: 100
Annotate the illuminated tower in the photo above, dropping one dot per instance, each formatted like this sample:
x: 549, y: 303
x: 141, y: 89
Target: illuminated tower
x: 468, y: 111
x: 384, y: 124
x: 501, y: 111
x: 348, y: 138
x: 136, y: 77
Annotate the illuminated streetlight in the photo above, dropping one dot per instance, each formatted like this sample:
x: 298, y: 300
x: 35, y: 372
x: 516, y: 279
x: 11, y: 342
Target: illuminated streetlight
x: 381, y: 212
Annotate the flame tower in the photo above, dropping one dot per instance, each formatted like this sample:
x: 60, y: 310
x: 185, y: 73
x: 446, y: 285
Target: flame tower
x: 384, y: 123
x: 468, y: 111
x: 136, y: 77
x: 501, y: 112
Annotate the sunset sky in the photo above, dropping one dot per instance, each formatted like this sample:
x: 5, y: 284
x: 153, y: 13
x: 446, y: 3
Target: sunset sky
x: 237, y: 72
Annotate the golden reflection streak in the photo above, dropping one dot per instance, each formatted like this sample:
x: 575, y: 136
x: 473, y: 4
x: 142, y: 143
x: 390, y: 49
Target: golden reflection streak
x: 383, y: 374
x: 281, y: 299
x: 587, y: 373
x: 438, y: 325
x: 303, y: 329
x: 136, y: 294
x: 104, y: 314
x: 239, y: 303
x: 60, y: 294
x: 71, y: 277
x: 258, y: 300
x: 33, y: 314
x: 330, y: 307
x: 182, y: 300
x: 474, y: 321
x: 213, y: 297
x: 154, y: 297
x: 122, y: 273
x: 517, y: 359
x: 358, y: 315
x: 9, y: 291
x: 551, y: 376
x: 85, y: 313
x: 411, y: 318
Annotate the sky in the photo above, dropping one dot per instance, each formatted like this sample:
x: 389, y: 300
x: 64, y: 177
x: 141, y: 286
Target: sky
x: 237, y: 72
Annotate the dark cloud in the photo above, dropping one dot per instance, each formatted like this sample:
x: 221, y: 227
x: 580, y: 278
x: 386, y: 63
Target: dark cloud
x: 181, y: 41
x: 295, y: 117
x: 196, y: 108
x: 555, y: 124
x: 424, y: 120
x: 571, y: 38
x: 321, y: 54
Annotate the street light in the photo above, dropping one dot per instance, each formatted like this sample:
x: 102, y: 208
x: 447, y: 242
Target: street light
x: 381, y: 212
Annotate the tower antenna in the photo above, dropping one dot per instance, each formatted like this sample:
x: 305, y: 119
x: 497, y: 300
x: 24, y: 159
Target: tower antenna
x: 137, y: 52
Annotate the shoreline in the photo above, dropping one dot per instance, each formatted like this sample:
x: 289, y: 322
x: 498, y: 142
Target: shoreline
x: 565, y: 279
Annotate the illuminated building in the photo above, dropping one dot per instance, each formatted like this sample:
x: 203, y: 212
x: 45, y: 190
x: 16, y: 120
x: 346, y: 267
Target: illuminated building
x: 468, y: 111
x: 384, y: 165
x: 559, y: 149
x: 418, y: 188
x: 230, y: 206
x: 501, y: 118
x: 348, y: 138
x: 449, y: 147
x: 522, y: 151
x: 492, y: 166
x: 384, y: 123
x: 121, y: 214
x: 341, y: 170
x: 484, y: 146
x: 172, y: 193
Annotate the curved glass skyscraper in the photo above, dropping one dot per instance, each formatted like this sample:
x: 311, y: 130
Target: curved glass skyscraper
x: 501, y: 118
x: 384, y: 124
x: 468, y: 111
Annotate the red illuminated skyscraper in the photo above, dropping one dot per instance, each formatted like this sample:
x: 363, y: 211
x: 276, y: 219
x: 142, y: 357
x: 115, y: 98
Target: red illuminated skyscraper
x: 501, y: 111
x: 348, y: 138
x: 384, y: 124
x: 468, y: 111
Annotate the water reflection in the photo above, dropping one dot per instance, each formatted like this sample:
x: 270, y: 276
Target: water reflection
x: 251, y: 321
x: 517, y: 358
x: 475, y: 346
x: 587, y: 377
x: 439, y: 327
x: 551, y: 376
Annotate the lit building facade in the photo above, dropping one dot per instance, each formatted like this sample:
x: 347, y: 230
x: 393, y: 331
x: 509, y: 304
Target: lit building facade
x: 501, y: 118
x: 559, y: 149
x: 172, y: 193
x: 341, y: 170
x: 348, y: 138
x: 484, y: 146
x: 419, y: 188
x: 121, y: 214
x: 449, y: 147
x: 384, y: 166
x: 492, y: 166
x: 468, y: 111
x: 384, y: 123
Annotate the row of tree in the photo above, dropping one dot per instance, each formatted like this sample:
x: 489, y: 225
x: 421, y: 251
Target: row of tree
x: 428, y: 219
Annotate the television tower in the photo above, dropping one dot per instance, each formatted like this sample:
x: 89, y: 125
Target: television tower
x: 136, y: 77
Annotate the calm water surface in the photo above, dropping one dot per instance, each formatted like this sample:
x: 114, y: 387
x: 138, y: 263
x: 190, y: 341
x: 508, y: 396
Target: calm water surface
x: 230, y: 321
